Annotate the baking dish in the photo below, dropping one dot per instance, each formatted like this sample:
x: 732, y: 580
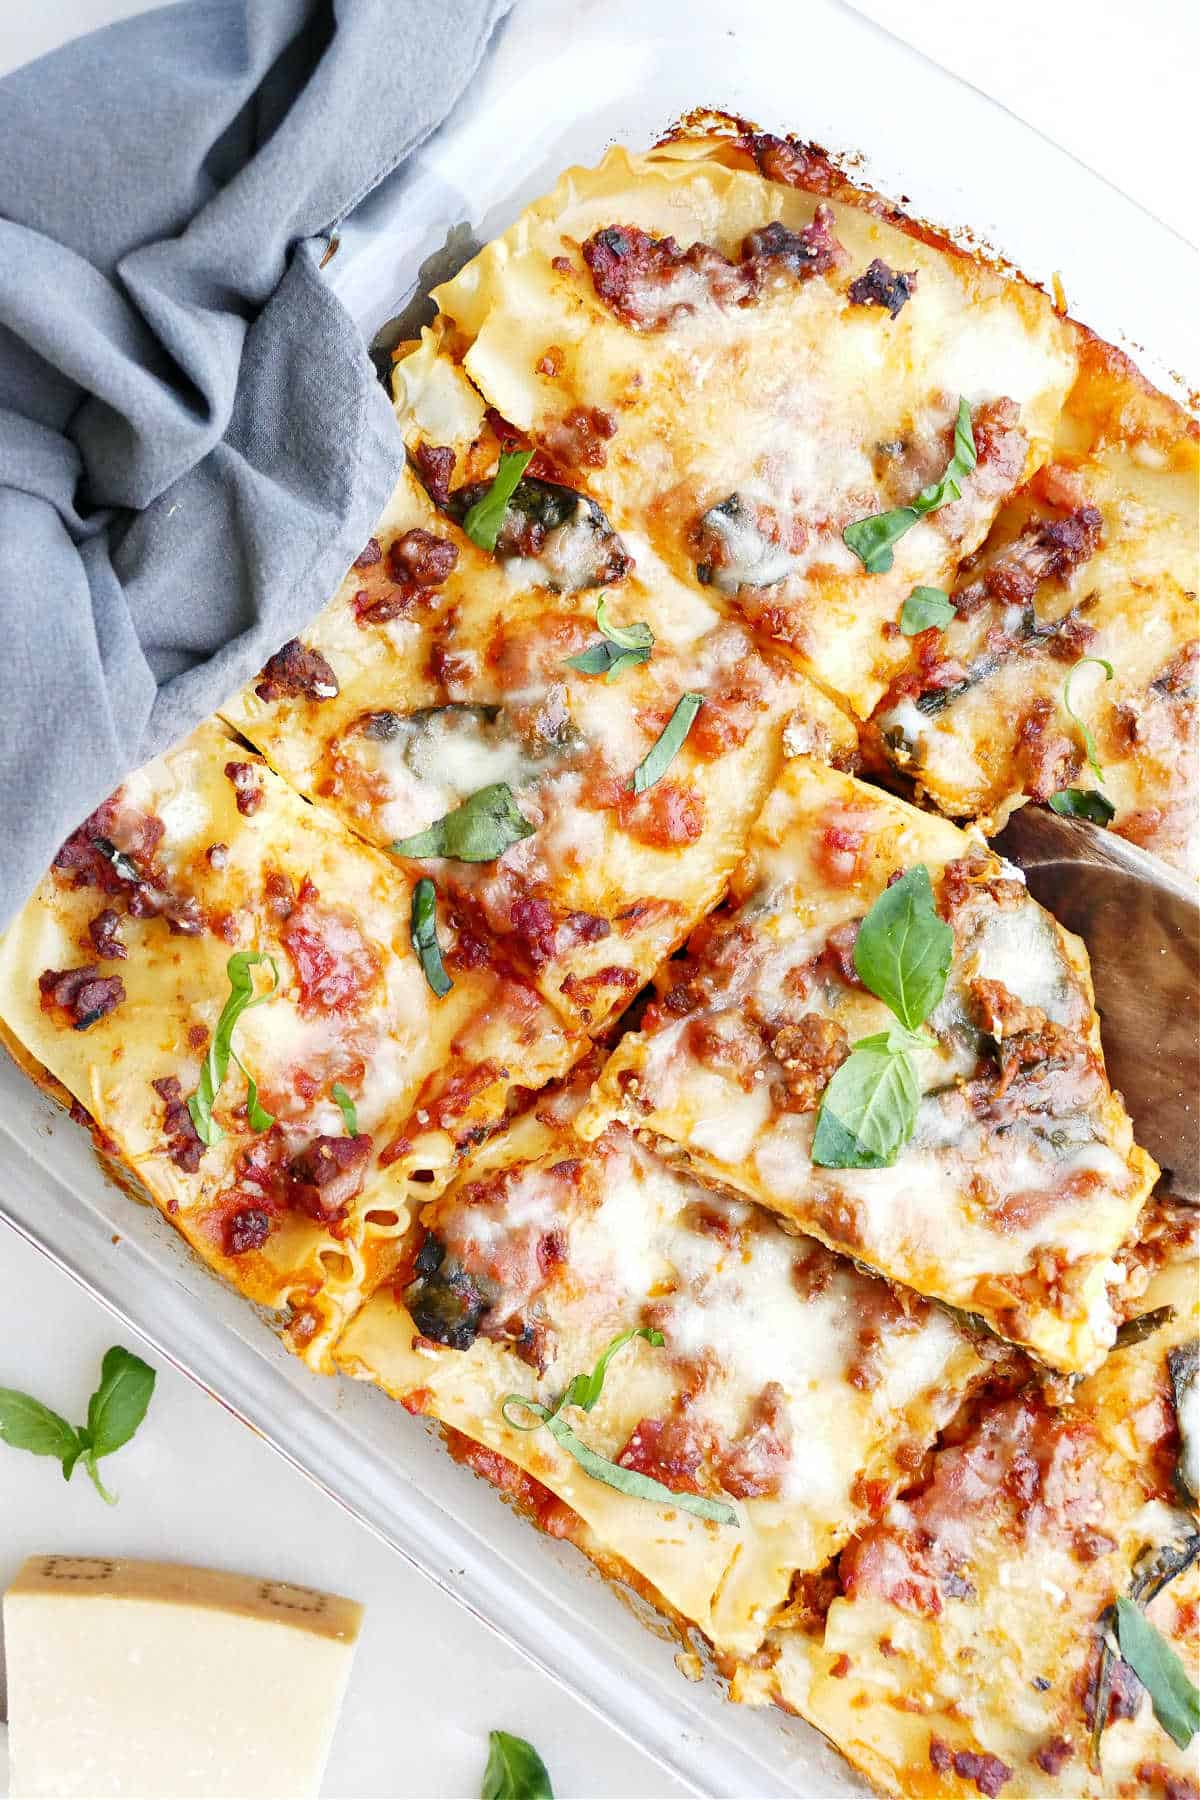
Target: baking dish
x: 563, y: 82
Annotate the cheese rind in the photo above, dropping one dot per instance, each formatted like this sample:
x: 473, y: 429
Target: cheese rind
x: 129, y: 1678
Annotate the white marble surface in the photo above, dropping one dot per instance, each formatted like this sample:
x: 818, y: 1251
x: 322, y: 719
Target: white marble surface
x: 195, y: 1485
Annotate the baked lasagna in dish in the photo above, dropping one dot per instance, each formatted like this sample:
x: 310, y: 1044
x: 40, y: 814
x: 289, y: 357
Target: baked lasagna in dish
x: 571, y: 986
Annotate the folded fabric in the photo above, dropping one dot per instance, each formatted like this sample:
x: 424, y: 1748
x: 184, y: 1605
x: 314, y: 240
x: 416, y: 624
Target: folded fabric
x: 193, y: 443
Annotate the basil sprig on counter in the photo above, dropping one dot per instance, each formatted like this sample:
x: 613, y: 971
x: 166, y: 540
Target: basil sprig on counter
x: 924, y: 607
x: 346, y: 1107
x: 220, y: 1052
x: 1083, y: 803
x: 871, y: 539
x: 1172, y: 1692
x: 584, y: 1391
x: 662, y: 754
x: 902, y: 954
x: 621, y: 647
x: 115, y: 1411
x: 514, y: 1770
x: 486, y: 824
x: 425, y: 938
x: 483, y: 520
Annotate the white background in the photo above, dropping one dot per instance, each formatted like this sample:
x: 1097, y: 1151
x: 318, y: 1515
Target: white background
x: 1107, y: 82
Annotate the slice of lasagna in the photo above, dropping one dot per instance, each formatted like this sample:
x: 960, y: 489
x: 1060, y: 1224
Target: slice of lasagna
x: 622, y: 733
x: 797, y: 405
x: 1065, y: 665
x: 224, y: 980
x: 973, y: 1644
x: 957, y: 1133
x: 771, y: 1396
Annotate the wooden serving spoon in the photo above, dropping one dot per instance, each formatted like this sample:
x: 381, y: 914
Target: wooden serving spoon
x: 1141, y: 924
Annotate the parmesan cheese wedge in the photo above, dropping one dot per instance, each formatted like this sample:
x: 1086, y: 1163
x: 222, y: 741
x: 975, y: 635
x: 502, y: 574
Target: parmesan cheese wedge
x: 159, y: 1680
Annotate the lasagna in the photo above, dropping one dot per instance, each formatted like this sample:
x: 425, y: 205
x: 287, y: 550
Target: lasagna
x: 1018, y: 1179
x: 788, y: 1386
x: 570, y: 986
x: 965, y: 1644
x: 207, y: 918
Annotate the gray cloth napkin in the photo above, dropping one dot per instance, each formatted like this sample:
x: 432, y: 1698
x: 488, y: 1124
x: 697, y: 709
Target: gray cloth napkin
x: 193, y: 444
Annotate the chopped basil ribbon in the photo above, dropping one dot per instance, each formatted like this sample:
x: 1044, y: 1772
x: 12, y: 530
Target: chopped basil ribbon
x: 871, y: 539
x: 902, y: 954
x: 661, y: 755
x: 621, y: 647
x: 903, y: 949
x: 220, y: 1051
x: 257, y: 1117
x: 1155, y: 1673
x: 486, y: 825
x: 1173, y: 1694
x: 514, y: 1770
x: 347, y: 1108
x: 1083, y: 803
x: 924, y: 607
x: 425, y: 938
x: 584, y: 1391
x: 483, y: 520
x: 1089, y: 742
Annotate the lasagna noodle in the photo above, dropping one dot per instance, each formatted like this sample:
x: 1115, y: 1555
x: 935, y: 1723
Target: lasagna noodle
x: 1016, y: 1190
x: 963, y: 1657
x: 794, y: 400
x: 470, y: 686
x: 426, y: 1075
x: 788, y: 1380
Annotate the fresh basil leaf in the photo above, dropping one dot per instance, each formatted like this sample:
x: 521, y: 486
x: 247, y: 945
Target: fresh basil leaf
x: 1089, y: 742
x: 514, y: 1770
x: 871, y: 539
x: 924, y: 607
x: 425, y: 938
x: 621, y: 647
x: 115, y: 1411
x: 903, y: 949
x: 216, y: 1063
x: 626, y: 1481
x: 869, y: 1110
x: 26, y: 1424
x: 119, y: 1404
x: 1173, y: 1694
x: 1083, y: 803
x: 483, y: 520
x: 661, y: 755
x: 486, y: 825
x: 585, y: 1390
x: 346, y: 1105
